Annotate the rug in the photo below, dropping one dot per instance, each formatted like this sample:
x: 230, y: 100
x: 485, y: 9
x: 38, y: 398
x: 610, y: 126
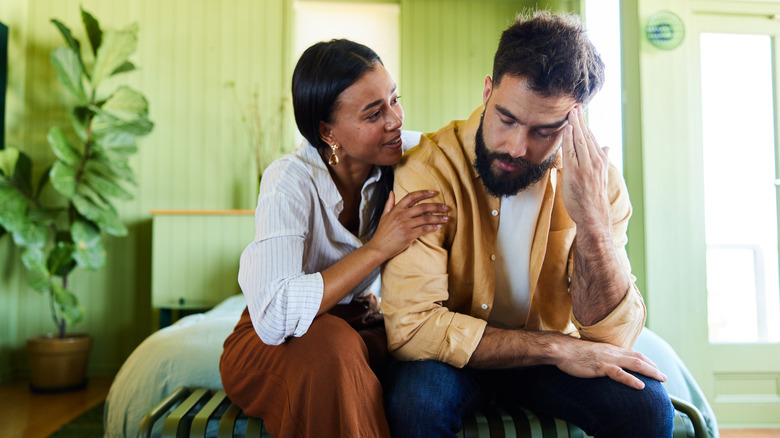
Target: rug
x: 87, y: 425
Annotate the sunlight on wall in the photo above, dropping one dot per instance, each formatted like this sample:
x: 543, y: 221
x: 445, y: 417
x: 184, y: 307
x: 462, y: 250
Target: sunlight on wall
x: 602, y: 19
x: 373, y: 24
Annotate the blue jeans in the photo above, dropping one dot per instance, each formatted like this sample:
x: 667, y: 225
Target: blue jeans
x: 427, y: 399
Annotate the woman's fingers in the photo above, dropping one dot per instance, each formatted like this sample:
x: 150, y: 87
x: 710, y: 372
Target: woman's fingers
x: 427, y: 208
x: 389, y: 204
x: 415, y: 197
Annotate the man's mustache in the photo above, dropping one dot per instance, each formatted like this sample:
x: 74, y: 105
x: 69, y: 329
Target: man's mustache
x: 506, y: 158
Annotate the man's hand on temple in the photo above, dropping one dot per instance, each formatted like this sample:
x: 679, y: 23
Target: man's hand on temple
x: 585, y: 167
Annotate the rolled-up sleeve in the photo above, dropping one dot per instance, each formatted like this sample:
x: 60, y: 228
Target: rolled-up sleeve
x: 622, y: 326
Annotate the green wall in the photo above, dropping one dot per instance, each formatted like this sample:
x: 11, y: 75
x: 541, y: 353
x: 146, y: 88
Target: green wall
x: 202, y: 64
x: 198, y: 157
x: 447, y: 49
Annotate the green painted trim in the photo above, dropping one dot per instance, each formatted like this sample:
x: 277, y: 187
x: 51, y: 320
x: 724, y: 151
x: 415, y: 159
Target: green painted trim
x: 633, y: 163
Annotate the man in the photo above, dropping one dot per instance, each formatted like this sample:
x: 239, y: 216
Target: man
x: 527, y: 293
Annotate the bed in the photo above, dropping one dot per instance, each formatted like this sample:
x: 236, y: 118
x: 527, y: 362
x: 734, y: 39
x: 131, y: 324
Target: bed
x: 187, y: 354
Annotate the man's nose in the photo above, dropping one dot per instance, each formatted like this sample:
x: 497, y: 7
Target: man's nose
x: 517, y: 144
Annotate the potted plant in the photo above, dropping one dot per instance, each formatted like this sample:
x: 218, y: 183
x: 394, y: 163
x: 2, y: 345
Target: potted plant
x: 58, y: 222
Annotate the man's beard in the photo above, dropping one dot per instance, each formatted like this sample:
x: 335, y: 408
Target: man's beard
x: 505, y: 183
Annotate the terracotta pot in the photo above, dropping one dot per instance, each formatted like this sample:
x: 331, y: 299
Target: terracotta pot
x: 58, y: 364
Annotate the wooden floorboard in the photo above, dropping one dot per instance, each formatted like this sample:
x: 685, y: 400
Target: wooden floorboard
x: 24, y: 414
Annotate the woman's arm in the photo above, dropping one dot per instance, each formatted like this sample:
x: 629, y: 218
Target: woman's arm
x: 400, y: 225
x: 278, y: 272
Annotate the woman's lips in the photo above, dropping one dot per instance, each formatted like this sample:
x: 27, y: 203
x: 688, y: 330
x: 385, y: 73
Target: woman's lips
x: 395, y: 144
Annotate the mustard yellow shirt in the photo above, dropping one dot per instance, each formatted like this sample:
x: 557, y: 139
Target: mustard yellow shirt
x: 438, y: 293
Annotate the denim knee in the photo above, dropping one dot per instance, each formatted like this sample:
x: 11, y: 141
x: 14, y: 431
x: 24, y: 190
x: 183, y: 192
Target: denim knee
x: 424, y: 399
x: 645, y: 413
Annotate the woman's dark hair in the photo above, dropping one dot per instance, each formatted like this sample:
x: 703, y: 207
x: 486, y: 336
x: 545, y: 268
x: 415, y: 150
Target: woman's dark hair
x: 553, y: 53
x: 323, y: 72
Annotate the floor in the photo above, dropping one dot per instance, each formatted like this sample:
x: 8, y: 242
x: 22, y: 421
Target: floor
x: 749, y: 433
x: 27, y: 415
x: 24, y: 414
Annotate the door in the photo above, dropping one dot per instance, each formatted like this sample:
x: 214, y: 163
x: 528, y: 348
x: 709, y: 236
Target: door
x: 733, y: 85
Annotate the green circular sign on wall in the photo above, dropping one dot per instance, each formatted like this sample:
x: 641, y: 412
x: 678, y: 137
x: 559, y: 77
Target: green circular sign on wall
x: 665, y: 30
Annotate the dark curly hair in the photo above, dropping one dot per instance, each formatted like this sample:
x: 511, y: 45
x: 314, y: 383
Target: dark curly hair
x: 553, y: 53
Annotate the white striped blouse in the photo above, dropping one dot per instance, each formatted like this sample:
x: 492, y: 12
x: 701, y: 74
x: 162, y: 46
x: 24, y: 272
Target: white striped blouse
x: 297, y: 235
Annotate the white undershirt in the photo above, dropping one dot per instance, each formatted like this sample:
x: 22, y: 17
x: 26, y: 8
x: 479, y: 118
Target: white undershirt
x: 516, y: 227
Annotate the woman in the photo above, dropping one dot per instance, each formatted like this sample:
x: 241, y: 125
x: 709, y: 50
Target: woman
x: 301, y: 356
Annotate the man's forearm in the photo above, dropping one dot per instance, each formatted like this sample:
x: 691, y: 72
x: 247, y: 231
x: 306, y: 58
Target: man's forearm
x: 598, y: 282
x: 501, y: 348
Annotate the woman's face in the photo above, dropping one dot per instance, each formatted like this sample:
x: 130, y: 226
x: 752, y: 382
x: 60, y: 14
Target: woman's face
x: 367, y: 121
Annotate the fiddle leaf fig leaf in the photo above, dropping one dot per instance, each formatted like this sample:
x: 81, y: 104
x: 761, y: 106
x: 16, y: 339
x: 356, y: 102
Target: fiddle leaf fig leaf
x: 72, y: 42
x: 126, y: 67
x: 69, y: 71
x: 35, y: 261
x: 23, y: 173
x: 126, y: 111
x: 107, y: 187
x: 42, y: 181
x: 38, y: 281
x: 105, y: 218
x: 88, y: 249
x: 115, y: 49
x: 8, y: 158
x: 13, y: 215
x: 62, y: 147
x: 61, y: 262
x: 68, y: 303
x: 44, y: 215
x: 118, y: 139
x: 78, y: 117
x: 93, y: 30
x: 64, y: 296
x: 31, y: 235
x: 63, y: 179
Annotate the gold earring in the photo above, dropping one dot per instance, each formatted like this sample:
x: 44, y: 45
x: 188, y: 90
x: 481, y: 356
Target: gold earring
x: 334, y: 159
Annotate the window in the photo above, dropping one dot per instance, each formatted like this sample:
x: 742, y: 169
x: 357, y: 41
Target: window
x: 605, y: 117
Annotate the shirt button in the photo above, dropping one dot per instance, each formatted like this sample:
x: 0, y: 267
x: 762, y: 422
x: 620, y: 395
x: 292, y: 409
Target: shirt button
x: 495, y: 212
x: 484, y: 307
x: 493, y: 257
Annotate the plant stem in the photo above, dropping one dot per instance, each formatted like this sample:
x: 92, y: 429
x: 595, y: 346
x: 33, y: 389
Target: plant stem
x: 58, y: 322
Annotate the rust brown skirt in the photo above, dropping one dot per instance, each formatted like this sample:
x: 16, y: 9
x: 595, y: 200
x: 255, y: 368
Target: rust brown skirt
x: 318, y: 385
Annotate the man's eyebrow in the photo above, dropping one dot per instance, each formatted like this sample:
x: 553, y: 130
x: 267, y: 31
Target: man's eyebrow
x: 554, y: 125
x: 508, y: 113
x: 378, y: 101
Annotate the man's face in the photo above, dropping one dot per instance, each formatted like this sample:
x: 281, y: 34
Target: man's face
x: 518, y: 136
